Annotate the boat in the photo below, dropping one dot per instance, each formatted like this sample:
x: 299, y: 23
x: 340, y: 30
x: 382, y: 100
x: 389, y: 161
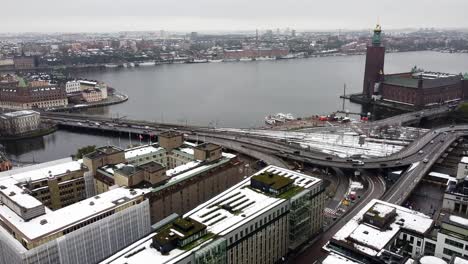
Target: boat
x: 215, y: 60
x: 287, y: 57
x: 197, y: 61
x: 230, y: 60
x: 147, y: 63
x: 245, y: 59
x: 111, y: 65
x: 278, y: 118
x: 264, y: 58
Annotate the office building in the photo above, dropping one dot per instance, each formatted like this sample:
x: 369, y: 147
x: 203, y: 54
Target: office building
x: 259, y: 220
x: 47, y: 216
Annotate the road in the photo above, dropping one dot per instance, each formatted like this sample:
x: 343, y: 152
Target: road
x: 314, y: 251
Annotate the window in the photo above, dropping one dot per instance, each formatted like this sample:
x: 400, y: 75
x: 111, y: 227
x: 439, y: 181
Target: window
x: 451, y: 252
x: 453, y: 243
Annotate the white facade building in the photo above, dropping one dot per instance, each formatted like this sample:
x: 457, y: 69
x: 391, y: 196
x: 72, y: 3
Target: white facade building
x: 73, y: 87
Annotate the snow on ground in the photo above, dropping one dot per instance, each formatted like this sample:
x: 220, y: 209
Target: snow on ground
x: 343, y: 143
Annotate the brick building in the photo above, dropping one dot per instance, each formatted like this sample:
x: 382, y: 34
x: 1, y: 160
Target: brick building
x: 417, y: 88
x: 18, y: 93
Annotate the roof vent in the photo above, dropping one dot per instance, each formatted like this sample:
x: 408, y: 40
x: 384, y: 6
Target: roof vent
x: 12, y: 193
x: 91, y: 203
x: 43, y: 221
x: 2, y: 187
x: 97, y: 197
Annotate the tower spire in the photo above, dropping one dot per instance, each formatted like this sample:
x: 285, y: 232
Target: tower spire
x: 377, y: 39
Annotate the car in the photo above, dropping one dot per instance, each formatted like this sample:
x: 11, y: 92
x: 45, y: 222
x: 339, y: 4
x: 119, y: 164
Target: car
x: 421, y: 152
x: 442, y: 140
x: 383, y: 165
x: 452, y: 126
x: 432, y: 141
x: 425, y: 160
x: 349, y: 160
x: 398, y: 162
x: 328, y: 158
x: 297, y: 152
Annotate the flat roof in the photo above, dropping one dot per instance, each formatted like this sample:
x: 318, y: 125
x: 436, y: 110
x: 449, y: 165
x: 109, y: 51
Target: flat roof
x: 221, y: 215
x: 170, y: 134
x: 103, y: 151
x: 370, y: 239
x: 21, y: 113
x: 60, y: 219
x: 142, y: 150
x: 208, y: 147
x: 43, y: 171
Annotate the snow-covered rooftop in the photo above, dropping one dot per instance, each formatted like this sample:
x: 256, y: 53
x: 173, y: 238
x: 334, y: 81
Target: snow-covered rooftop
x: 53, y: 221
x: 464, y: 160
x: 20, y: 113
x: 337, y: 259
x: 182, y: 168
x: 370, y: 239
x: 459, y: 220
x: 142, y: 150
x: 44, y: 170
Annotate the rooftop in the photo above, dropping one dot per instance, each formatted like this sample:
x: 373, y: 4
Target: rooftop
x: 208, y: 147
x: 370, y: 239
x: 20, y: 113
x: 103, y: 151
x: 142, y: 150
x: 169, y: 134
x: 54, y: 221
x: 273, y: 180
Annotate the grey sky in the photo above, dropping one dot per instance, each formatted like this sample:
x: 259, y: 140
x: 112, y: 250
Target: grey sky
x: 189, y: 15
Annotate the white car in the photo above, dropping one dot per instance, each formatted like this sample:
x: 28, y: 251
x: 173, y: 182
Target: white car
x: 421, y: 152
x: 425, y: 160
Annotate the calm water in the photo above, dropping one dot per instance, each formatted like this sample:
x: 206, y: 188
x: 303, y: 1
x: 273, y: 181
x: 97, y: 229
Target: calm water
x: 231, y: 94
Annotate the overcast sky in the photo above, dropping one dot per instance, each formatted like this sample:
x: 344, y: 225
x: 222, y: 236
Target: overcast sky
x: 226, y: 15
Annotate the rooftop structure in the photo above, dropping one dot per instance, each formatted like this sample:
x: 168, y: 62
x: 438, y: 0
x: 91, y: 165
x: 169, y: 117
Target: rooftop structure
x: 373, y: 231
x: 229, y: 221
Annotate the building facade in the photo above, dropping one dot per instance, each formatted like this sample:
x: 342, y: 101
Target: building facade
x: 72, y: 87
x: 19, y: 122
x: 19, y: 94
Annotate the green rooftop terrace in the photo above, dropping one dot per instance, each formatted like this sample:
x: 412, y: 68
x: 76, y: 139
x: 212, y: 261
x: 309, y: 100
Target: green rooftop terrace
x: 275, y: 181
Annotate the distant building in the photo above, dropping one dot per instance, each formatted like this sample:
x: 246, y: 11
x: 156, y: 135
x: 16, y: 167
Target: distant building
x: 73, y: 87
x: 92, y: 95
x: 19, y: 123
x: 248, y: 223
x: 97, y: 91
x: 25, y: 62
x: 18, y: 93
x: 417, y: 88
x: 255, y: 53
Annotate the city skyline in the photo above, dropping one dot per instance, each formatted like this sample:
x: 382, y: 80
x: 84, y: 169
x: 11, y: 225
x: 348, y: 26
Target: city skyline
x: 209, y: 15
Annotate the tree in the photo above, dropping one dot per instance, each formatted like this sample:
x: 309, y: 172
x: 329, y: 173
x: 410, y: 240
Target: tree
x: 84, y: 150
